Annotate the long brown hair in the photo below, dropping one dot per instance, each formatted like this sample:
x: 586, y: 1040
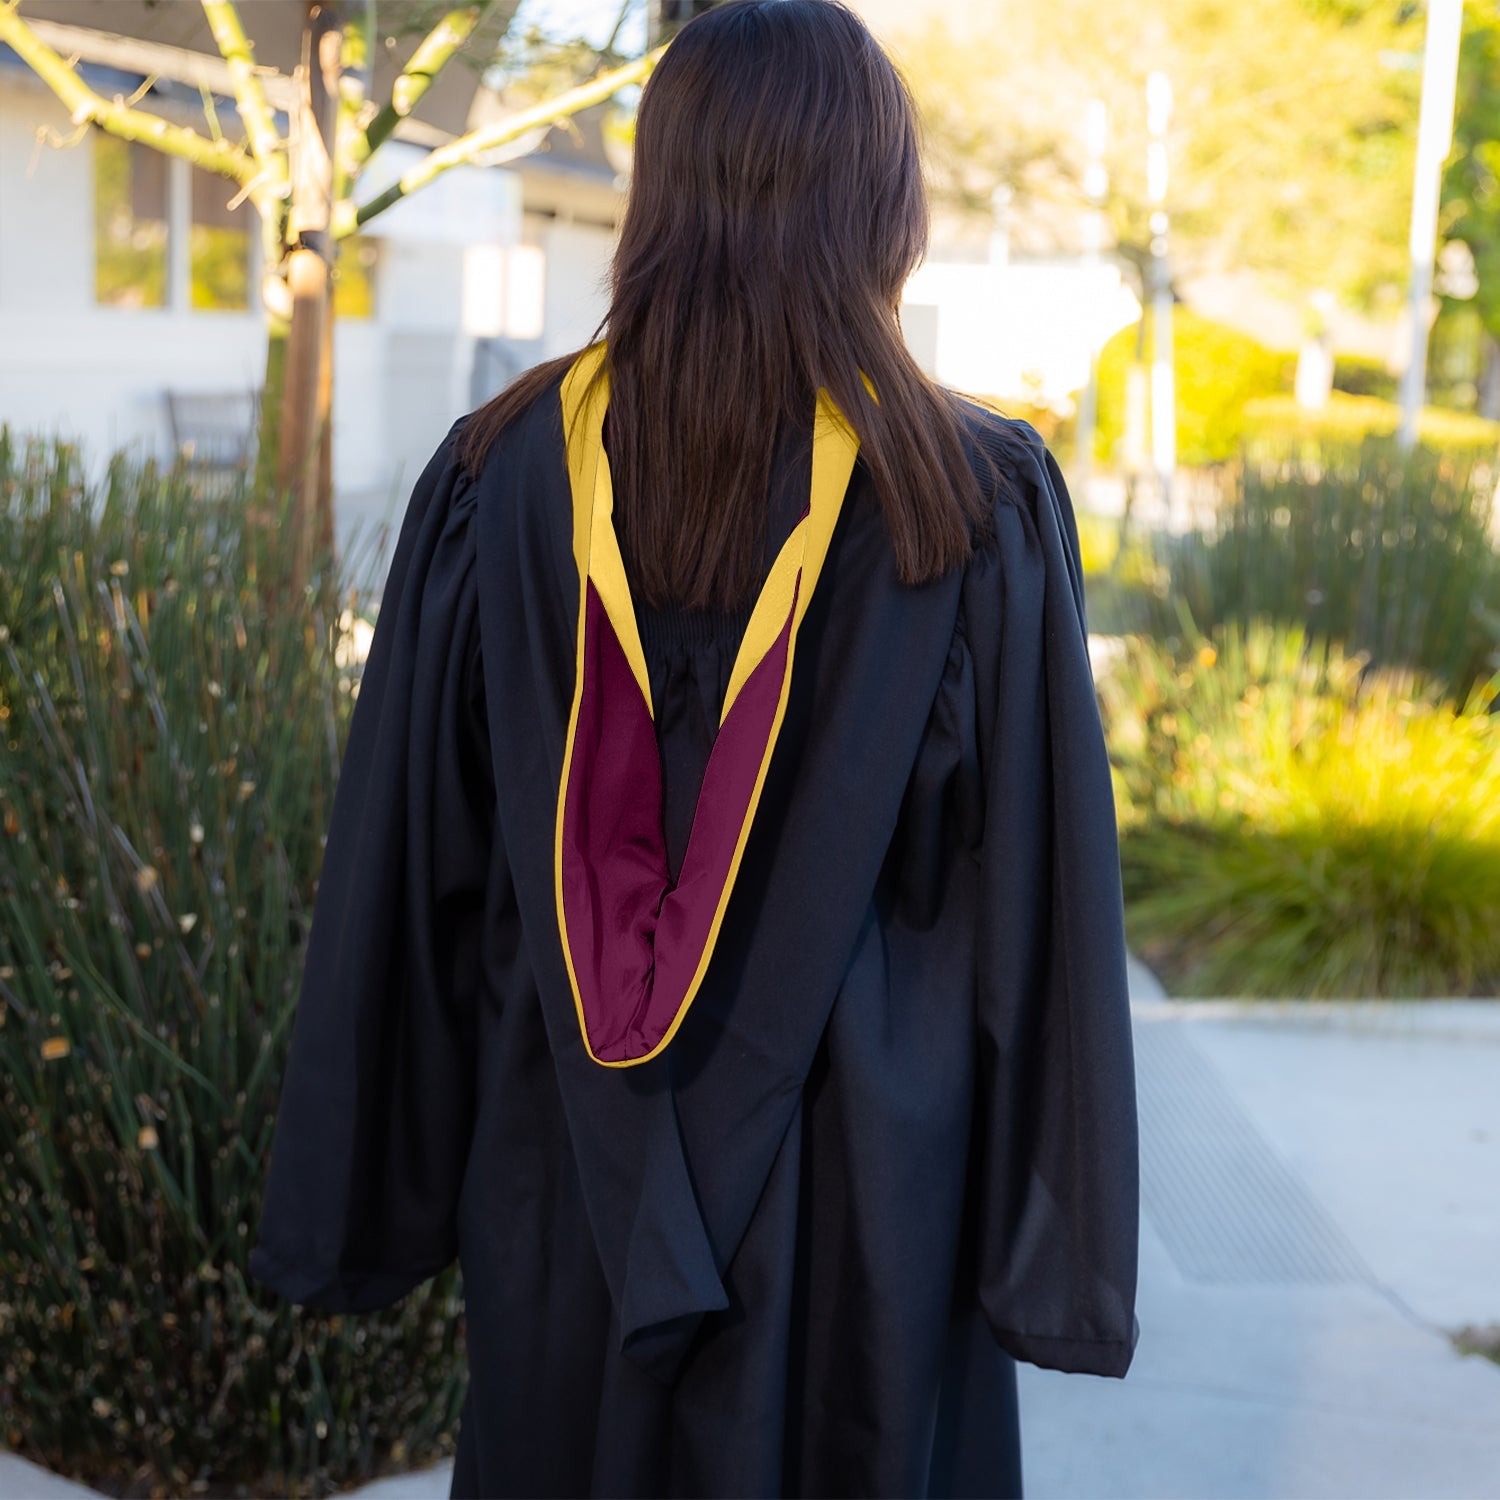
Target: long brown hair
x: 776, y: 208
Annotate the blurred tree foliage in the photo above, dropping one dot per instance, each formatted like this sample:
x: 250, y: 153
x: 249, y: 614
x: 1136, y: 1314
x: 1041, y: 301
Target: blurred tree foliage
x: 1291, y: 142
x: 1471, y: 184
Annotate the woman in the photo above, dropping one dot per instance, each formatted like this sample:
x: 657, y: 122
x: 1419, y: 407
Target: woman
x: 719, y: 947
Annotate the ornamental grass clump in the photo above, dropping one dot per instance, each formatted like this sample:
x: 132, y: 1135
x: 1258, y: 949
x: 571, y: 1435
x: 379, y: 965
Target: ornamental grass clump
x: 1295, y: 824
x: 170, y: 732
x: 1392, y: 553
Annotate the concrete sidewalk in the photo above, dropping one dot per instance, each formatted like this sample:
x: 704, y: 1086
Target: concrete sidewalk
x: 1320, y: 1207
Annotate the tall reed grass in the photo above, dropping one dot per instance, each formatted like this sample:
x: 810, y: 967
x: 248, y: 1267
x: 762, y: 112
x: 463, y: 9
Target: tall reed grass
x: 1392, y: 554
x: 169, y: 743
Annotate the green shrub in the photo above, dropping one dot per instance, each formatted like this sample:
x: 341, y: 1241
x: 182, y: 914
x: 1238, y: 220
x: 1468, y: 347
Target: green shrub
x: 1295, y: 824
x: 1358, y: 375
x: 1455, y: 357
x: 1347, y: 419
x: 1217, y: 370
x: 1098, y: 541
x: 1387, y: 552
x: 1478, y: 1339
x: 1060, y: 433
x: 1121, y: 588
x: 168, y: 751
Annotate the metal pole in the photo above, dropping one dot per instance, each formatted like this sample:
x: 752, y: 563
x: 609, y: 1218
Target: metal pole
x: 1434, y: 140
x: 1000, y: 200
x: 1095, y: 186
x: 1163, y: 393
x: 179, y: 234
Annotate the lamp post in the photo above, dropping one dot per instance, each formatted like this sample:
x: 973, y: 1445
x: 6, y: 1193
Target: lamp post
x: 1163, y: 394
x: 1095, y: 187
x: 1000, y: 201
x: 1434, y: 140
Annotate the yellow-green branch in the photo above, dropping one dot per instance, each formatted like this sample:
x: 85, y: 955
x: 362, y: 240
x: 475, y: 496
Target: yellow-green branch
x: 250, y: 97
x: 467, y: 147
x: 356, y: 48
x: 86, y: 107
x: 433, y: 54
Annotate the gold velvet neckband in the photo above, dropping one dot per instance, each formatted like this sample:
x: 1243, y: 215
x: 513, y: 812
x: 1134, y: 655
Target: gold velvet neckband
x: 637, y: 944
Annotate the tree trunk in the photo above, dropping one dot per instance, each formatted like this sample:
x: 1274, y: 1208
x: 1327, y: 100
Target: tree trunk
x: 323, y: 532
x: 323, y: 536
x: 298, y: 466
x: 302, y: 466
x: 1134, y: 443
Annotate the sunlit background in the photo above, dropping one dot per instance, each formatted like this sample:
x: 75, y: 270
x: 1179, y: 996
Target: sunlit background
x: 1238, y: 264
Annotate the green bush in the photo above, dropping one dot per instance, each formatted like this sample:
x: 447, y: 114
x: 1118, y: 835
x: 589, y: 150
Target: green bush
x: 1295, y: 824
x: 1390, y: 553
x: 168, y: 751
x: 1455, y: 358
x: 1347, y: 419
x: 1098, y: 542
x: 1358, y: 375
x: 1060, y: 433
x: 1217, y: 370
x: 1122, y: 588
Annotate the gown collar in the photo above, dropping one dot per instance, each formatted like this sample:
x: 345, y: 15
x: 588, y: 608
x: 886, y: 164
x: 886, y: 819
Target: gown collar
x: 637, y: 944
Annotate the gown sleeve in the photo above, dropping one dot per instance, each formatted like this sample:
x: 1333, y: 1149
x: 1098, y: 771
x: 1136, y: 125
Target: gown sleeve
x: 1058, y: 1190
x: 377, y: 1098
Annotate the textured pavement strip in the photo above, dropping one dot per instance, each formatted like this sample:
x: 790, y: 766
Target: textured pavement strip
x: 1320, y: 1190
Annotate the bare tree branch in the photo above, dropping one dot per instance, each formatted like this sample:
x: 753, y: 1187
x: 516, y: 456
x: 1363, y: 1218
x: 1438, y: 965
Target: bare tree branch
x: 467, y: 147
x: 355, y: 64
x: 614, y: 32
x: 118, y: 118
x: 433, y: 54
x: 250, y: 97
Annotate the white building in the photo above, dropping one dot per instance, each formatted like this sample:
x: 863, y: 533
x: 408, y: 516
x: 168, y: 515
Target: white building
x: 124, y: 276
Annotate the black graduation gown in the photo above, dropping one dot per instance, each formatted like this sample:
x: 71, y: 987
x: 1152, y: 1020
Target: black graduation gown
x: 891, y: 1148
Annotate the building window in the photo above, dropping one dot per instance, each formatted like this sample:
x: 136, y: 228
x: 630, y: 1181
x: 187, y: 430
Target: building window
x: 354, y: 277
x: 164, y: 234
x: 130, y: 223
x: 218, y: 245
